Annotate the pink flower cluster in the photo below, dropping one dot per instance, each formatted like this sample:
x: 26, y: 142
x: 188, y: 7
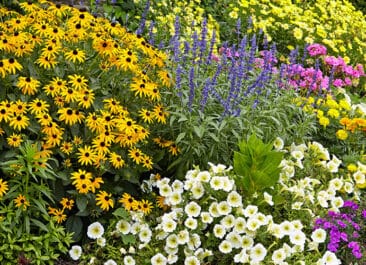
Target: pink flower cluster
x: 316, y: 49
x: 343, y: 75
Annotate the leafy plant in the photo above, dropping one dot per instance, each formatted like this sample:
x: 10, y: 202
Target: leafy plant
x: 257, y: 165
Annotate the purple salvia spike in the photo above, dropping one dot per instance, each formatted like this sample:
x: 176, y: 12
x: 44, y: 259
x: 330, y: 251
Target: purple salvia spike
x: 141, y: 27
x: 212, y: 43
x: 151, y: 33
x: 191, y: 89
x: 205, y: 92
x: 203, y: 44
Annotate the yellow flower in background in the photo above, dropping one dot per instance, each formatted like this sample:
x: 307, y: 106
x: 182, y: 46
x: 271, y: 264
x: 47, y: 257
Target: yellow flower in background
x: 21, y: 202
x: 298, y: 34
x: 324, y: 121
x: 104, y: 200
x: 333, y: 113
x: 3, y: 187
x: 342, y: 134
x: 14, y: 140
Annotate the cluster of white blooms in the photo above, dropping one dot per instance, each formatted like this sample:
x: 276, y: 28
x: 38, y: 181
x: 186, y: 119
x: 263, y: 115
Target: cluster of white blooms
x: 207, y: 215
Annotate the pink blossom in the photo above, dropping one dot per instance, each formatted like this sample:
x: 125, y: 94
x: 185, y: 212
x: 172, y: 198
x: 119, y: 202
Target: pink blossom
x: 316, y: 49
x: 338, y: 82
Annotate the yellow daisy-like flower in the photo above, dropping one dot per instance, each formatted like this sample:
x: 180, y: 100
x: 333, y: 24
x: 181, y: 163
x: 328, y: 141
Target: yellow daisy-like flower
x: 75, y: 55
x: 67, y: 203
x: 342, y: 134
x: 146, y: 206
x: 78, y: 82
x: 28, y: 85
x: 59, y: 215
x: 127, y: 201
x: 136, y: 155
x: 21, y: 202
x: 104, y: 200
x: 3, y: 187
x: 116, y: 160
x: 38, y: 106
x: 19, y: 122
x: 86, y: 155
x: 14, y: 140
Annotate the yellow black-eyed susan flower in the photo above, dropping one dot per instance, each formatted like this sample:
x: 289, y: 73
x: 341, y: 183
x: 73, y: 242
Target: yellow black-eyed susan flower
x: 14, y: 140
x: 104, y: 200
x: 136, y: 155
x: 86, y: 155
x: 95, y: 184
x: 66, y: 148
x: 3, y: 187
x: 47, y: 62
x: 67, y: 203
x: 21, y: 202
x: 147, y: 162
x: 75, y: 56
x: 81, y: 176
x: 38, y: 106
x: 146, y: 206
x: 116, y: 160
x: 11, y: 65
x: 160, y: 114
x: 59, y: 215
x: 19, y: 122
x: 28, y: 85
x: 146, y: 115
x: 85, y: 98
x: 78, y: 82
x: 127, y: 201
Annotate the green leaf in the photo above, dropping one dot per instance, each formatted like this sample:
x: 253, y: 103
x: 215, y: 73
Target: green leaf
x: 128, y: 239
x: 75, y: 224
x: 199, y: 131
x: 39, y: 224
x: 120, y: 212
x: 180, y: 137
x: 81, y: 202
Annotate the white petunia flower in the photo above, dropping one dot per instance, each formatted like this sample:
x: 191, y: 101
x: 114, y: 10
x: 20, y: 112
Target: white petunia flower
x: 204, y: 176
x: 225, y: 247
x: 75, y: 252
x: 297, y: 237
x: 216, y: 183
x: 129, y: 260
x: 348, y: 187
x: 165, y: 190
x: 177, y: 186
x: 262, y: 219
x: 101, y: 241
x: 219, y: 231
x: 192, y: 209
x: 191, y: 223
x: 110, y: 262
x: 242, y: 257
x: 213, y: 209
x: 253, y: 224
x: 319, y: 235
x: 218, y: 169
x: 278, y: 143
x: 197, y: 191
x: 286, y: 227
x: 258, y: 253
x: 194, y: 242
x: 279, y: 256
x: 234, y: 199
x: 206, y: 218
x: 123, y: 227
x: 158, y: 259
x: 359, y: 177
x: 329, y: 258
x: 337, y: 202
x: 168, y: 225
x: 297, y: 224
x: 247, y: 242
x: 172, y: 259
x: 250, y: 210
x: 145, y: 235
x: 297, y: 154
x: 276, y: 230
x: 268, y: 198
x: 235, y: 239
x: 227, y: 184
x: 172, y: 241
x: 183, y: 237
x: 175, y: 198
x: 240, y: 225
x: 224, y: 208
x: 228, y: 221
x: 191, y: 260
x: 95, y: 230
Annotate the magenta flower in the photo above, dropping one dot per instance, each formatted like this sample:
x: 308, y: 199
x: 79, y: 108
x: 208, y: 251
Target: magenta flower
x: 316, y: 49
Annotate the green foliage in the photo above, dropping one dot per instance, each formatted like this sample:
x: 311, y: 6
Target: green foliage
x: 41, y: 246
x: 257, y: 165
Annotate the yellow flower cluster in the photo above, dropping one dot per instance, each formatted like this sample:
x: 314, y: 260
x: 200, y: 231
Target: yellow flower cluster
x: 83, y: 87
x: 340, y: 114
x: 191, y: 17
x: 330, y: 22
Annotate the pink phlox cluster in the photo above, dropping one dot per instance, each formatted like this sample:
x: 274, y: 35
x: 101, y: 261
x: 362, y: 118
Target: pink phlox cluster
x: 316, y: 49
